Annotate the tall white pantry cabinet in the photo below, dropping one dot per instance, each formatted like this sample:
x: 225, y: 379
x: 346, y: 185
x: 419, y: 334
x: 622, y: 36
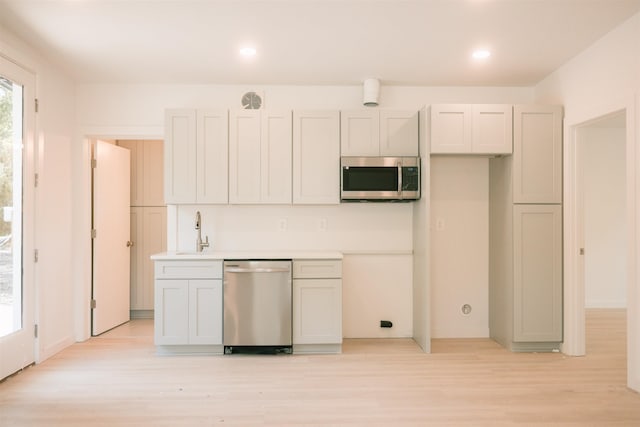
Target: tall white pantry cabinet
x: 525, y: 234
x: 524, y: 143
x: 148, y: 220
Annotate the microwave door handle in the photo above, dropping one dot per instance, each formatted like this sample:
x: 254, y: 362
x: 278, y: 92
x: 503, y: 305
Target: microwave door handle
x: 399, y: 178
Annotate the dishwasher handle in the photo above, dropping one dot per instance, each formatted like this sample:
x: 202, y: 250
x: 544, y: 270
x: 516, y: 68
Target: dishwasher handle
x: 256, y: 270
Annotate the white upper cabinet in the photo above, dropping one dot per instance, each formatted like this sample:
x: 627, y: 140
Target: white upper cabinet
x: 379, y: 133
x: 399, y: 133
x: 316, y: 157
x: 492, y: 129
x: 471, y: 129
x: 195, y: 156
x: 451, y: 128
x: 244, y: 156
x: 537, y: 154
x: 276, y: 157
x: 259, y: 157
x: 360, y: 133
x: 212, y: 157
x: 180, y: 156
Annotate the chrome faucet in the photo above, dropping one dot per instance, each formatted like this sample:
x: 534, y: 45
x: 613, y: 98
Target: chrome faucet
x: 200, y: 245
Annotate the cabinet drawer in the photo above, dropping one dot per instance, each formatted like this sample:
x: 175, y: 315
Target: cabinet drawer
x: 317, y: 269
x: 188, y: 269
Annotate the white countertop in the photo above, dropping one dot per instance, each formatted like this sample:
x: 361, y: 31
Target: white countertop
x: 180, y: 255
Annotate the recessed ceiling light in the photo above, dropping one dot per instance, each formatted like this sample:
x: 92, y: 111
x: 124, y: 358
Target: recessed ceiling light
x: 481, y: 54
x: 248, y: 51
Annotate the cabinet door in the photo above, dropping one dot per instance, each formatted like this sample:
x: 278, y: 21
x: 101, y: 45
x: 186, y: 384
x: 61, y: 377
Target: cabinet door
x: 180, y: 156
x: 152, y: 172
x: 316, y: 157
x: 136, y: 155
x: 492, y: 129
x: 317, y: 311
x: 213, y: 156
x: 153, y: 240
x: 147, y: 170
x: 137, y: 260
x: 537, y: 154
x: 244, y: 156
x: 398, y: 133
x: 317, y: 269
x: 451, y: 128
x: 360, y: 133
x: 276, y: 157
x: 205, y: 311
x: 537, y: 269
x: 171, y: 316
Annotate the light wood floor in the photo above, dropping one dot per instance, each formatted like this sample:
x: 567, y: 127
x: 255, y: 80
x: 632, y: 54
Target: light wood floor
x: 117, y: 380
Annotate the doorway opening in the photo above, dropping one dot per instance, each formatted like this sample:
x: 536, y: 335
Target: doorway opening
x: 602, y: 206
x: 110, y: 228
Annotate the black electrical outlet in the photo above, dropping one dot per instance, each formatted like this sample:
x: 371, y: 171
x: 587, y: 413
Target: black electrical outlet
x: 385, y: 324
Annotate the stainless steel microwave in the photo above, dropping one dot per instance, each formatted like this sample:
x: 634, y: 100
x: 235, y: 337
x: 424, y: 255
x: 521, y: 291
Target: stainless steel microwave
x: 379, y: 179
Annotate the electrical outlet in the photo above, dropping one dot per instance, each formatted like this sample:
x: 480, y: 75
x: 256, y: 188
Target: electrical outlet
x: 322, y: 224
x: 282, y: 224
x: 439, y: 224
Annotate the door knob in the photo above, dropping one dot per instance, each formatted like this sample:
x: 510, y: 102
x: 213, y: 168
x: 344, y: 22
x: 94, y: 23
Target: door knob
x: 129, y: 243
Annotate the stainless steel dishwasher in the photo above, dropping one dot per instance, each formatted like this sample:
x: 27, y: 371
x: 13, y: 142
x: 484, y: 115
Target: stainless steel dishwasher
x: 257, y: 306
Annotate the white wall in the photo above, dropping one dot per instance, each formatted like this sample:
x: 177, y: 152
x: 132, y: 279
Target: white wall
x: 459, y: 246
x: 350, y: 227
x: 375, y: 288
x: 55, y: 301
x: 601, y: 80
x: 605, y: 219
x: 138, y: 110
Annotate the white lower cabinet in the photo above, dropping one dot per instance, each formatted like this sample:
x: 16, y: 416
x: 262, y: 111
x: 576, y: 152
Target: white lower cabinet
x: 317, y: 306
x: 537, y: 271
x: 171, y: 317
x: 525, y: 277
x: 188, y: 306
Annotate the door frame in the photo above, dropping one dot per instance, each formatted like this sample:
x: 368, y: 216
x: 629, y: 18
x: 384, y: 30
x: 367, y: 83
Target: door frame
x: 574, y: 292
x: 30, y: 219
x: 82, y: 253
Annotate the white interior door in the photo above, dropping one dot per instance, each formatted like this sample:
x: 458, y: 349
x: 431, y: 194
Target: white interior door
x: 111, y: 242
x: 17, y: 223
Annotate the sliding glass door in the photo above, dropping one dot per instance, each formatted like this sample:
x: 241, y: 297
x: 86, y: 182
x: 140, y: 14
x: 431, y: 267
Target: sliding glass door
x: 17, y: 188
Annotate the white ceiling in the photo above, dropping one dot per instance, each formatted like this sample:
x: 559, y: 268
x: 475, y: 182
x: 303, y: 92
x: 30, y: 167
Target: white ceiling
x: 308, y: 42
